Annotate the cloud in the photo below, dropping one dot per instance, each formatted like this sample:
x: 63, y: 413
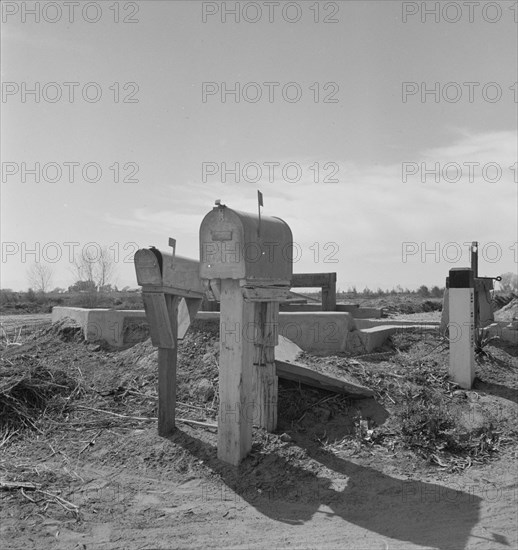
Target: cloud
x: 369, y: 214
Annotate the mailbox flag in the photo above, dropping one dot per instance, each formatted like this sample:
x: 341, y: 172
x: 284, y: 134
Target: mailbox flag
x: 260, y: 198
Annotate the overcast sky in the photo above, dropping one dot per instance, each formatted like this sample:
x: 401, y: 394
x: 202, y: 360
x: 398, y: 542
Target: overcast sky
x: 340, y: 124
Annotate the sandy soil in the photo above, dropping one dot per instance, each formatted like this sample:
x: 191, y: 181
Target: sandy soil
x: 101, y: 481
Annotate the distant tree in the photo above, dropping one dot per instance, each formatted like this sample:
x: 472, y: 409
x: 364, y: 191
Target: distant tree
x: 58, y: 290
x: 83, y: 286
x: 31, y: 295
x: 94, y: 266
x: 436, y: 292
x: 8, y: 296
x: 106, y: 288
x: 40, y: 277
x: 509, y: 282
x: 423, y: 291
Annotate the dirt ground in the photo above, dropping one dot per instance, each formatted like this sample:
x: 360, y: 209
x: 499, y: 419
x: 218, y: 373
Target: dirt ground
x: 84, y: 468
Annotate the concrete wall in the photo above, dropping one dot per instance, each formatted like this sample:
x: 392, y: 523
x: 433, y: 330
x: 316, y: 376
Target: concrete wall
x: 117, y: 328
x: 356, y: 311
x: 319, y: 331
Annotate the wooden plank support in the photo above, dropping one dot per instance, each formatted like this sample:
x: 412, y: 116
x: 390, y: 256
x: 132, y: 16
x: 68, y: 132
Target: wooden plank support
x: 329, y: 294
x: 187, y: 310
x: 309, y: 280
x: 177, y: 291
x: 158, y: 316
x: 265, y: 377
x: 167, y: 359
x: 235, y: 374
x: 266, y: 294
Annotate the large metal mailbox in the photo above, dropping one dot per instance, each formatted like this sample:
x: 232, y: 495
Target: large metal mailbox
x: 240, y: 245
x: 156, y: 268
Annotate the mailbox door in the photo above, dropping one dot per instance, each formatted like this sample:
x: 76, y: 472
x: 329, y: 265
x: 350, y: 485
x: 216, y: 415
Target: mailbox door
x: 221, y: 238
x: 148, y: 266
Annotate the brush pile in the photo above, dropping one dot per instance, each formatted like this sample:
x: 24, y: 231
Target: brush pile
x: 31, y: 388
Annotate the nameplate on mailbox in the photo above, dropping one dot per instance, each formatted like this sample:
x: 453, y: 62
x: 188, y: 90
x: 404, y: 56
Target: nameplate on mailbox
x: 221, y: 235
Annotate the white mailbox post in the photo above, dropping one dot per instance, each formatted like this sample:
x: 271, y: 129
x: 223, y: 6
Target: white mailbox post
x: 461, y: 326
x: 246, y: 263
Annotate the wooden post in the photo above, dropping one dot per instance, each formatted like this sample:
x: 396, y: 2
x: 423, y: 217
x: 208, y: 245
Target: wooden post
x: 329, y: 294
x: 474, y: 258
x: 167, y: 358
x: 474, y: 268
x: 461, y: 326
x: 235, y: 374
x: 265, y: 377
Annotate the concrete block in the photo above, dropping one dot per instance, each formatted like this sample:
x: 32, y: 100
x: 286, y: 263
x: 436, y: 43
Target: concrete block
x: 367, y: 340
x: 504, y: 331
x: 292, y: 308
x: 320, y: 331
x: 316, y: 331
x: 375, y: 337
x: 286, y: 350
x: 117, y: 328
x: 369, y: 323
x: 367, y: 313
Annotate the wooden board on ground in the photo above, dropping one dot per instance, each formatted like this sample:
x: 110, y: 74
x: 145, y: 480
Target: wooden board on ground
x: 304, y: 374
x: 289, y: 368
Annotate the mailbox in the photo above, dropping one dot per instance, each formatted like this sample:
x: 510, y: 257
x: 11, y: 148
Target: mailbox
x: 161, y: 269
x: 240, y: 245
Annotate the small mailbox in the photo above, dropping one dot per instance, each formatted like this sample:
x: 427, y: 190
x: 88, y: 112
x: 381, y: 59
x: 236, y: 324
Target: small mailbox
x: 240, y: 245
x: 162, y: 269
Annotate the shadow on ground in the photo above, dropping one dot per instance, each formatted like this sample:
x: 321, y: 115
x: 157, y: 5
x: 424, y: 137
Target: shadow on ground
x: 424, y: 514
x: 496, y: 389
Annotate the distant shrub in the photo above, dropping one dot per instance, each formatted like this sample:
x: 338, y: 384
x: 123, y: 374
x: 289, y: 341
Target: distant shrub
x: 430, y: 305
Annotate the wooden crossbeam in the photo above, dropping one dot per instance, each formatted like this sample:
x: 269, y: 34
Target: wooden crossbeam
x: 326, y: 281
x: 310, y: 280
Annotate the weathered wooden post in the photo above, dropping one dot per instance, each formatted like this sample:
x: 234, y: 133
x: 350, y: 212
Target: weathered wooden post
x: 172, y: 294
x: 246, y: 264
x: 461, y: 326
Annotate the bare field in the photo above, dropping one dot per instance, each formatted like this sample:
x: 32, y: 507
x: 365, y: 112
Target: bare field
x: 423, y: 465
